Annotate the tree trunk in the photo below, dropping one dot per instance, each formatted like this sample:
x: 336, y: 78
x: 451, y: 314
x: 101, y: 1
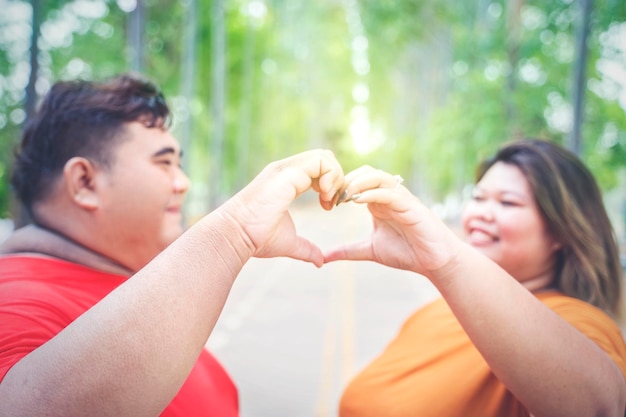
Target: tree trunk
x: 579, y: 80
x: 246, y: 101
x: 188, y: 84
x: 218, y: 101
x: 513, y: 41
x: 31, y: 92
x: 134, y: 38
x: 20, y: 214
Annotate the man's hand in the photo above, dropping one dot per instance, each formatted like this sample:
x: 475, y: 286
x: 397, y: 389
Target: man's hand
x: 261, y: 208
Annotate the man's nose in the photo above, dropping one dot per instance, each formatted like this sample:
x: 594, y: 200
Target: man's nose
x: 181, y: 182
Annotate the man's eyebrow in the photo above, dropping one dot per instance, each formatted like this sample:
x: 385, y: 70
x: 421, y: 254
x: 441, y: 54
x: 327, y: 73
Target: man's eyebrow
x: 166, y: 151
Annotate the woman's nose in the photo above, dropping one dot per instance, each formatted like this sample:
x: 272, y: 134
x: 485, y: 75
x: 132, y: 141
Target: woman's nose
x: 484, y: 210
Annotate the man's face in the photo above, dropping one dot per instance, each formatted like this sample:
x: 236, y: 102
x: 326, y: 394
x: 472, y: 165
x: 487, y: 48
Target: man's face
x: 142, y: 194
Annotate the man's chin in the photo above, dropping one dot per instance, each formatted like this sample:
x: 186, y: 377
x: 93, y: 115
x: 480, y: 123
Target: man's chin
x: 170, y: 237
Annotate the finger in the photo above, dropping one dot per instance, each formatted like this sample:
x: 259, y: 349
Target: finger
x: 398, y: 199
x: 315, y: 185
x: 356, y: 251
x: 317, y: 168
x: 330, y: 180
x: 326, y: 205
x: 305, y: 250
x: 342, y: 193
x: 368, y: 179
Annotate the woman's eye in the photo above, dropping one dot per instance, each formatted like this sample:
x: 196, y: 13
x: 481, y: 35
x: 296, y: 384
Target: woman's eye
x: 478, y: 198
x: 165, y: 162
x: 508, y: 203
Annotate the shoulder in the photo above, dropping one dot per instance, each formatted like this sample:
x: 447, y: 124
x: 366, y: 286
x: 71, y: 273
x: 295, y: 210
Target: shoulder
x: 25, y: 277
x: 31, y: 270
x: 575, y: 309
x: 592, y: 322
x: 35, y: 265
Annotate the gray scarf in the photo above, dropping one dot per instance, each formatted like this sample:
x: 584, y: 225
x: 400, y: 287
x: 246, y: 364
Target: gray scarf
x: 35, y: 240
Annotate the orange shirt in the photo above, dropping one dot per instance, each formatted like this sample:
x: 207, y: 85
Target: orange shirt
x: 432, y: 368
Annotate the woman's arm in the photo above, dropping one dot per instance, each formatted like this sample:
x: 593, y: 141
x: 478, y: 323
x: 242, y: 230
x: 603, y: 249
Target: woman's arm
x: 552, y: 368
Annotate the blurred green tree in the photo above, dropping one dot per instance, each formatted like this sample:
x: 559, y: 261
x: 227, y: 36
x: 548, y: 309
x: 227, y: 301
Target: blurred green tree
x: 424, y: 88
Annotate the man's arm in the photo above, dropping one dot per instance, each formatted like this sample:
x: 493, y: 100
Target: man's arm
x: 131, y: 352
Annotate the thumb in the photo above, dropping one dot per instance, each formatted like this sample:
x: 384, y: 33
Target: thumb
x: 305, y: 250
x: 355, y: 251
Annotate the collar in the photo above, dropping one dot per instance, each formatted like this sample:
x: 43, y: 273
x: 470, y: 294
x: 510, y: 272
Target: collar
x: 35, y: 239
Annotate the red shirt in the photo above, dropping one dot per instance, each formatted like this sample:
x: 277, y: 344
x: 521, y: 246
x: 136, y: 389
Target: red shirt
x: 39, y: 297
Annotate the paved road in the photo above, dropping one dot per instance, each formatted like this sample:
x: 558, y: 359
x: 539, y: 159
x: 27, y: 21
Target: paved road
x: 292, y: 335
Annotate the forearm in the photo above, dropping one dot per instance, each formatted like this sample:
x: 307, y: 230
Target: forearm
x: 131, y: 352
x: 551, y: 367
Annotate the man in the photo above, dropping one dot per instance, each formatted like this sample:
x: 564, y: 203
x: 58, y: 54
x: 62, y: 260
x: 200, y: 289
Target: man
x: 105, y: 304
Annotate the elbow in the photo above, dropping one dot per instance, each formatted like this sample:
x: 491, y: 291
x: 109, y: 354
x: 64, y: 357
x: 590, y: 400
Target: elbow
x: 621, y: 407
x: 610, y: 393
x: 607, y: 399
x: 615, y: 406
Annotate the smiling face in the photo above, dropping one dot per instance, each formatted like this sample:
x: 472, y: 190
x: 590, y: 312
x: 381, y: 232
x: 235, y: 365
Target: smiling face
x: 503, y: 222
x: 141, y: 195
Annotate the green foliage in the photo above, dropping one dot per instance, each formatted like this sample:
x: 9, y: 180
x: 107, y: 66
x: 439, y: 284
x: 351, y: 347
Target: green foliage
x: 502, y: 83
x: 446, y: 82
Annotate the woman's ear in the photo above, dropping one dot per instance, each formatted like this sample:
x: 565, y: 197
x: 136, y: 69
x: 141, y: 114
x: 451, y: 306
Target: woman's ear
x: 79, y: 174
x: 556, y: 245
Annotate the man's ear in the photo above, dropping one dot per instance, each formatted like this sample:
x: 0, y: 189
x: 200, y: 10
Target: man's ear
x: 79, y: 174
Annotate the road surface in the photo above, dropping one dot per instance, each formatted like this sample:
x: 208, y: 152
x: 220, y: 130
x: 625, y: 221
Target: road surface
x: 292, y: 335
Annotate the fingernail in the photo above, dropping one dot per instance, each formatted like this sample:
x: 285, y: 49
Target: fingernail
x: 342, y: 197
x: 354, y: 197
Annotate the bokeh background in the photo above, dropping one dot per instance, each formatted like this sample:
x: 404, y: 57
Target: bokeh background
x: 423, y: 88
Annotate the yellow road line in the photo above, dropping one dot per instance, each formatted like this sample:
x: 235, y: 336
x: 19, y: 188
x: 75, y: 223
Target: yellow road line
x: 337, y: 370
x: 349, y: 324
x: 328, y: 346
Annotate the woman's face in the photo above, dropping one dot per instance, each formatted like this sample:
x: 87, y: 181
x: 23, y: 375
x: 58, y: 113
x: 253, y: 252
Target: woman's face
x: 503, y: 222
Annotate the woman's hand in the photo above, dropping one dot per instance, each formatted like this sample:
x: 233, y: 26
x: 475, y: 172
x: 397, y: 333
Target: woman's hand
x: 406, y: 234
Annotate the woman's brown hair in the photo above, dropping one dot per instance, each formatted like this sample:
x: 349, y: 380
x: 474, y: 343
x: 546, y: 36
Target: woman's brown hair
x: 569, y: 199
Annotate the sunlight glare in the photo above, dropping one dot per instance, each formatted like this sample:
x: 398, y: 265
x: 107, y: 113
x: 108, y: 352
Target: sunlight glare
x: 127, y: 5
x: 612, y: 64
x: 366, y: 138
x: 90, y: 9
x: 360, y: 93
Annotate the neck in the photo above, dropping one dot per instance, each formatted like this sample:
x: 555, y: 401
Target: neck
x: 540, y: 283
x: 35, y: 239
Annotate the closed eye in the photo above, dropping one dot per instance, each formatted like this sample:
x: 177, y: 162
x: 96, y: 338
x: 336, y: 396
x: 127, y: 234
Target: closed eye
x: 167, y: 156
x: 508, y: 203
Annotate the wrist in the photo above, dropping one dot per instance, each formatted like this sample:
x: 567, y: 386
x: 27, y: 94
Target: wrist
x: 227, y: 236
x: 445, y: 275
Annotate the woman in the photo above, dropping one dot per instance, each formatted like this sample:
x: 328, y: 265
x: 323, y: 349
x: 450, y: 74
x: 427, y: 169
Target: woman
x: 524, y: 325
